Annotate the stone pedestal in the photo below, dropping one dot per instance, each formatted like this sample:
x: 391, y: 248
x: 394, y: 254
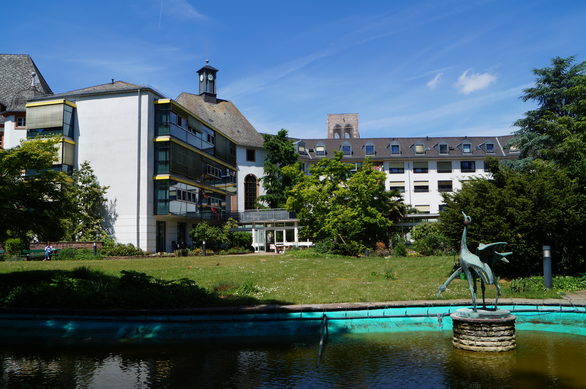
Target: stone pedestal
x: 483, y: 330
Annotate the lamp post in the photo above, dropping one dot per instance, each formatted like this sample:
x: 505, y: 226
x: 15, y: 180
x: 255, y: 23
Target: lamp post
x: 547, y: 281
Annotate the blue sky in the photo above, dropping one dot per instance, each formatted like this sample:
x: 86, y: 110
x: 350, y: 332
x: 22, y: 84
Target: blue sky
x: 408, y: 68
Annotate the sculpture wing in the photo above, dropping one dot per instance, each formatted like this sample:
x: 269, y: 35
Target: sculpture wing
x: 487, y: 252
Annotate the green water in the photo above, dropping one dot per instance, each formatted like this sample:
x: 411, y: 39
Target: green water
x: 400, y: 360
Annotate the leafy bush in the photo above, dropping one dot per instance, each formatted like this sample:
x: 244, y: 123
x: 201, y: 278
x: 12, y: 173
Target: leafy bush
x: 14, y: 246
x: 71, y: 253
x: 400, y: 249
x: 214, y: 236
x: 241, y: 240
x: 429, y: 240
x: 120, y: 250
x: 560, y: 284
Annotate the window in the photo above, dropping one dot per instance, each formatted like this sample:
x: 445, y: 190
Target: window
x: 369, y: 150
x: 301, y: 148
x: 468, y: 166
x: 443, y: 148
x: 420, y: 167
x: 395, y: 149
x: 357, y: 166
x: 489, y: 147
x: 419, y: 149
x: 466, y: 148
x: 442, y: 207
x: 347, y: 149
x: 396, y: 167
x: 397, y: 185
x: 251, y: 155
x: 20, y: 122
x: 420, y: 186
x: 320, y: 150
x: 444, y: 166
x: 422, y: 208
x: 250, y: 192
x: 444, y: 186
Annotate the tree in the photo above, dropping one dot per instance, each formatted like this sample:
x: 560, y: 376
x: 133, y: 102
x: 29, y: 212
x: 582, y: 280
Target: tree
x: 348, y: 211
x: 214, y: 236
x: 526, y: 208
x: 88, y: 200
x: 280, y: 153
x: 32, y: 199
x: 556, y: 130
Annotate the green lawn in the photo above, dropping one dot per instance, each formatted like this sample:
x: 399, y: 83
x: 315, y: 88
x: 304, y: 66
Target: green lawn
x: 291, y: 278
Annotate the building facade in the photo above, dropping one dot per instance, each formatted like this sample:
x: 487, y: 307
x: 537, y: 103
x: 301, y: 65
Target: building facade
x: 166, y: 168
x: 421, y: 169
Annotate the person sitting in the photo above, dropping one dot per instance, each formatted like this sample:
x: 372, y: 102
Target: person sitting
x: 48, y: 252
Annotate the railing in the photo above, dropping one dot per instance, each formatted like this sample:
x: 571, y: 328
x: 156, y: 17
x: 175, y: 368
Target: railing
x: 265, y: 214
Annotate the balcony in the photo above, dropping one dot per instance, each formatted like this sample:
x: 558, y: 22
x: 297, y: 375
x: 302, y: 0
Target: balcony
x: 265, y: 215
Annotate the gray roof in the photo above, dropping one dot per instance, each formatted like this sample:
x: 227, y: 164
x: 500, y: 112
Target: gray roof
x: 382, y: 147
x: 224, y: 116
x: 17, y: 84
x: 110, y: 87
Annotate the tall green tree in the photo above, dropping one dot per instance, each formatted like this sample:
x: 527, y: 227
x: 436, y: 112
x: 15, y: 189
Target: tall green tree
x: 32, y: 200
x: 279, y: 153
x: 556, y: 130
x: 349, y: 211
x: 88, y: 201
x: 526, y: 208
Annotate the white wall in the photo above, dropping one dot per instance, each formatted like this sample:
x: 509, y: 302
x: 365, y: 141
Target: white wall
x: 107, y: 135
x: 433, y: 198
x: 245, y: 168
x: 12, y: 136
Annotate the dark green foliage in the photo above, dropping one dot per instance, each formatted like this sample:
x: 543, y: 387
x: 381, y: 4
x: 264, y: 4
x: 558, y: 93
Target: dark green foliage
x: 221, y: 237
x: 34, y: 203
x: 83, y: 288
x: 560, y: 284
x: 556, y: 130
x: 280, y: 153
x: 77, y: 254
x: 214, y: 236
x: 429, y: 239
x: 111, y: 249
x: 527, y: 209
x: 14, y: 246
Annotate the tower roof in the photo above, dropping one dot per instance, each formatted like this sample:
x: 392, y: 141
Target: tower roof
x: 20, y: 79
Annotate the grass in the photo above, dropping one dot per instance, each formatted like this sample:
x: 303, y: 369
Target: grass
x: 288, y: 279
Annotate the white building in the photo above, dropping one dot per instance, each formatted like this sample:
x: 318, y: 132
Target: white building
x: 166, y: 168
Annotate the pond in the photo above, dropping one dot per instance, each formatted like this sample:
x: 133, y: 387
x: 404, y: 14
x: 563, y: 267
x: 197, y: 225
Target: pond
x: 357, y: 360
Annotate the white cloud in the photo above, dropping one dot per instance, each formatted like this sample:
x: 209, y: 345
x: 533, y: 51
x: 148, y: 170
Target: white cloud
x: 476, y: 81
x: 432, y: 84
x: 181, y: 8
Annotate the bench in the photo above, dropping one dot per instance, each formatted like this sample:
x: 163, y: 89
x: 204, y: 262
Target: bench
x: 28, y: 254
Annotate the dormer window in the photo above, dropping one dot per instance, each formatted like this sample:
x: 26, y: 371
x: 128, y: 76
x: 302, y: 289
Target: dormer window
x: 443, y: 148
x: 320, y: 150
x: 346, y: 149
x: 395, y: 149
x: 419, y: 149
x: 369, y: 149
x: 489, y: 147
x: 301, y: 148
x: 513, y: 149
x: 466, y: 148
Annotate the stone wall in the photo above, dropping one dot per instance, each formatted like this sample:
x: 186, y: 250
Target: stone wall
x: 489, y: 335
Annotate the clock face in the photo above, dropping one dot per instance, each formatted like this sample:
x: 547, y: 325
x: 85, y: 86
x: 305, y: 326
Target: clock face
x: 210, y: 77
x: 201, y: 77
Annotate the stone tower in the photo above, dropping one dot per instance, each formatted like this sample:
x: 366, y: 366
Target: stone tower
x: 343, y: 126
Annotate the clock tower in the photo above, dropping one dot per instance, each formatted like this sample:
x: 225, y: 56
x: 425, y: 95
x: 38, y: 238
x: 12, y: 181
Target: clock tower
x: 207, y: 82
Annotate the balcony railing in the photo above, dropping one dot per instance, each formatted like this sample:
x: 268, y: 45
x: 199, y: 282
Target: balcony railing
x: 265, y: 215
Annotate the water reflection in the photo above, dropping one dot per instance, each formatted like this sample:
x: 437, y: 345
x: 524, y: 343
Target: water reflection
x: 376, y: 360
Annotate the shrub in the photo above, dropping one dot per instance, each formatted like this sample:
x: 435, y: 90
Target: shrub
x: 400, y: 249
x: 120, y: 250
x: 14, y: 246
x: 71, y: 253
x: 429, y: 240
